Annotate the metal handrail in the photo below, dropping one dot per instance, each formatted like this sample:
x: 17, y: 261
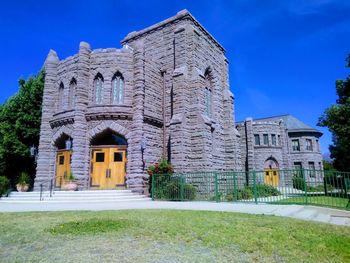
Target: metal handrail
x: 50, y: 188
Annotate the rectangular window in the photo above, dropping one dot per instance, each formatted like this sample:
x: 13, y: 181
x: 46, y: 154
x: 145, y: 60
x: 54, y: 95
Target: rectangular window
x: 257, y: 139
x: 279, y: 140
x: 118, y: 157
x: 317, y: 145
x: 298, y: 168
x: 295, y: 145
x: 266, y: 139
x: 100, y: 157
x: 273, y: 139
x: 61, y: 160
x: 312, y: 169
x: 308, y: 144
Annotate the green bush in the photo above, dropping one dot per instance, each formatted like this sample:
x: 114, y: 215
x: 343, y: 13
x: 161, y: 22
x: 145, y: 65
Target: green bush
x: 171, y: 190
x: 245, y: 193
x: 265, y: 190
x: 298, y: 183
x: 4, y: 185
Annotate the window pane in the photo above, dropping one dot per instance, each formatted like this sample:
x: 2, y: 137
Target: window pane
x: 273, y: 139
x: 257, y: 139
x: 266, y: 139
x: 61, y: 160
x: 100, y: 157
x: 118, y: 157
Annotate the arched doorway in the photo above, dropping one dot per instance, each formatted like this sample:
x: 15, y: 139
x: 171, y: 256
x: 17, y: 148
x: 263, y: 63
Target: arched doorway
x: 63, y: 159
x: 271, y: 176
x: 108, y: 160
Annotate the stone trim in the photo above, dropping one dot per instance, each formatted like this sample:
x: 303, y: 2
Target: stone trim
x: 60, y: 132
x: 182, y: 15
x: 108, y: 124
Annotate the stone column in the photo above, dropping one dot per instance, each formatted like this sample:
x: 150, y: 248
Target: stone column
x: 45, y: 169
x: 81, y: 157
x: 137, y: 178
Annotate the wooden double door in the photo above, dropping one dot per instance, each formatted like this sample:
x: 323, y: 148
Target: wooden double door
x: 108, y: 167
x: 271, y: 177
x: 63, y: 169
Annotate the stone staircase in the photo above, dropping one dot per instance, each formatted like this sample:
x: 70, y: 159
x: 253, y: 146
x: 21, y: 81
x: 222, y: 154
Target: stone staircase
x: 88, y: 196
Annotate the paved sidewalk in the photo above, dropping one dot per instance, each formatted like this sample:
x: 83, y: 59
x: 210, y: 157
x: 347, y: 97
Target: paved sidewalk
x: 310, y: 213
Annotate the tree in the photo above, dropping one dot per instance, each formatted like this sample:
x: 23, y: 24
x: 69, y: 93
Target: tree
x: 20, y: 118
x: 337, y: 119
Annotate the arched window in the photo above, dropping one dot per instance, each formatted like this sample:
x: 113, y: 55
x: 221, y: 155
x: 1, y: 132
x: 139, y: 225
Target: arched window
x: 60, y: 97
x: 72, y: 93
x: 208, y: 93
x: 118, y: 89
x: 98, y: 83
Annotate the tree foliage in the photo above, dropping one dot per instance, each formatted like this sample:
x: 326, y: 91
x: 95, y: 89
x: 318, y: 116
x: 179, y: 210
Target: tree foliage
x: 20, y: 118
x: 337, y: 119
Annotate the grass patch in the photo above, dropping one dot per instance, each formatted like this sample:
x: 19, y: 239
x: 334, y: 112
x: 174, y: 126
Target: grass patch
x: 167, y: 236
x: 317, y: 200
x: 93, y: 226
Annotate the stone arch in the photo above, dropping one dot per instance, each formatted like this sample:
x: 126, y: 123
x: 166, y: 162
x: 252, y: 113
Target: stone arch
x: 271, y: 163
x: 60, y: 132
x: 112, y: 125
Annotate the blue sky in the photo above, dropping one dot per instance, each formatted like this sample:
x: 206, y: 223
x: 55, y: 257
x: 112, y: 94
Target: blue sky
x: 285, y: 55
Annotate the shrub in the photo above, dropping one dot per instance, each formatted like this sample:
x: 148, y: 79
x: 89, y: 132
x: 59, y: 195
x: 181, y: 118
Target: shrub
x: 23, y: 179
x: 245, y: 193
x: 4, y: 185
x: 174, y: 189
x: 265, y: 190
x: 298, y: 183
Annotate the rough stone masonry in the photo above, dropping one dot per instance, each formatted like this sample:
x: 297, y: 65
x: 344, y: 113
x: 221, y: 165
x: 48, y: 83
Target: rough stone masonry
x: 174, y: 103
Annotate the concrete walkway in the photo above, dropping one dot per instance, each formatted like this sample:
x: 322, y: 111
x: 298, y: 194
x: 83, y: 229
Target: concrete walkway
x: 310, y: 213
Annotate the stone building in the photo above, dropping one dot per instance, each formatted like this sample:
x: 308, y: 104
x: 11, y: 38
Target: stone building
x: 109, y: 113
x: 280, y: 143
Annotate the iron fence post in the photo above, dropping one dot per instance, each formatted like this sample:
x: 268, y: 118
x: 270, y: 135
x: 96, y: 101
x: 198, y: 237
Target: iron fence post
x: 153, y: 177
x: 181, y: 188
x: 234, y: 194
x: 305, y: 185
x: 41, y: 191
x: 254, y: 187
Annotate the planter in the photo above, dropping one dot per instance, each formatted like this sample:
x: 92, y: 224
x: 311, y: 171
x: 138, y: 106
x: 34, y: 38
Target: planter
x: 22, y: 187
x: 70, y: 186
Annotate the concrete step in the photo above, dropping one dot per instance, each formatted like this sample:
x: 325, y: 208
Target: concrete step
x: 49, y: 200
x: 58, y: 192
x: 75, y: 196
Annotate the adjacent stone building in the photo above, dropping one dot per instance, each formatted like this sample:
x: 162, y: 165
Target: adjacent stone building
x: 281, y: 143
x: 109, y: 113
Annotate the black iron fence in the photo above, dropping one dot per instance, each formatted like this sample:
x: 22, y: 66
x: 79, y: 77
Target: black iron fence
x: 314, y: 187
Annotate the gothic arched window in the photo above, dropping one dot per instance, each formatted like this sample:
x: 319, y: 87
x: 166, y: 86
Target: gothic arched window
x: 208, y: 93
x: 98, y: 84
x: 118, y: 89
x: 72, y: 93
x: 60, y: 97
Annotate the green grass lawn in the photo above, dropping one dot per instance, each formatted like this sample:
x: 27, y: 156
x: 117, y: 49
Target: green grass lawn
x: 167, y: 236
x: 317, y: 200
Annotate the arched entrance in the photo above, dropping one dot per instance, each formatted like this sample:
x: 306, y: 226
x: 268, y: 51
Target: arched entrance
x: 63, y: 159
x: 271, y: 176
x: 108, y: 160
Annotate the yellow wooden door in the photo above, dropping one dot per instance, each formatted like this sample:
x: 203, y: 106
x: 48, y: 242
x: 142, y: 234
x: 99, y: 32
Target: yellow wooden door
x: 108, y: 168
x: 271, y: 177
x: 63, y: 168
x: 99, y: 167
x: 117, y: 168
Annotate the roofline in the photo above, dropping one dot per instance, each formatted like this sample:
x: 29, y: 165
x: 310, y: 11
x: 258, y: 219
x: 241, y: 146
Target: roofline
x: 179, y: 16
